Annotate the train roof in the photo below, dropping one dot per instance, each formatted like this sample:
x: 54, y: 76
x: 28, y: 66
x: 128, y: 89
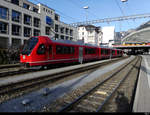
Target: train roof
x: 72, y: 42
x: 77, y: 43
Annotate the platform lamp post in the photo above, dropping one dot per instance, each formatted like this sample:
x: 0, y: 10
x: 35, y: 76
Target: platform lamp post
x: 124, y: 0
x: 86, y: 9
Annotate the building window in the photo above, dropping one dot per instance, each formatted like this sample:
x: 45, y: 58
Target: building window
x: 71, y: 32
x: 62, y: 37
x: 71, y: 38
x: 26, y: 6
x: 36, y: 32
x: 49, y: 21
x: 27, y: 19
x: 16, y: 30
x: 67, y: 38
x: 27, y: 32
x: 15, y: 2
x: 16, y: 16
x: 3, y: 13
x: 56, y: 28
x: 36, y: 22
x: 82, y: 38
x: 35, y: 10
x: 44, y: 9
x: 62, y: 30
x: 3, y: 28
x: 56, y: 36
x: 56, y: 17
x: 47, y: 30
x: 67, y: 31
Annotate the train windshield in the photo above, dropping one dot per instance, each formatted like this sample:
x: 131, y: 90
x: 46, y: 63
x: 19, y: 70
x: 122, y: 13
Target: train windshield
x: 29, y: 45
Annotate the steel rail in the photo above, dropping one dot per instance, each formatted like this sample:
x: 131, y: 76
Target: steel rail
x: 108, y: 97
x: 36, y: 81
x: 70, y: 105
x: 20, y: 71
x: 9, y: 66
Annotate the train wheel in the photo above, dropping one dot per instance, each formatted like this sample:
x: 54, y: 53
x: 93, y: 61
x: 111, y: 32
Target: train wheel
x: 44, y: 67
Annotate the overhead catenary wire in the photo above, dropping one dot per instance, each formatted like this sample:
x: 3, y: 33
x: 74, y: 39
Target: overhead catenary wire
x: 81, y: 7
x: 120, y: 8
x: 122, y: 12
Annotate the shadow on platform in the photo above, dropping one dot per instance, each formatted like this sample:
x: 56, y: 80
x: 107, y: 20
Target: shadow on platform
x: 122, y: 102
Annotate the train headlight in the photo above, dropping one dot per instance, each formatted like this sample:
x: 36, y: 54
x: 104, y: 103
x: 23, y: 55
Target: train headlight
x: 24, y: 57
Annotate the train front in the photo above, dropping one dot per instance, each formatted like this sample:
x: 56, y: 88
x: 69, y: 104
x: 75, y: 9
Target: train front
x: 26, y: 52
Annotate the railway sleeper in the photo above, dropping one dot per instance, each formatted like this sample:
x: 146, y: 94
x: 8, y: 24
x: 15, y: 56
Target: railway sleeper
x: 103, y: 92
x: 92, y: 102
x: 85, y: 108
x: 97, y: 97
x: 104, y: 88
x: 89, y: 104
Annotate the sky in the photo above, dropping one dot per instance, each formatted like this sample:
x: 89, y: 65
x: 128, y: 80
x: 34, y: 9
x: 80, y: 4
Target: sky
x: 72, y: 11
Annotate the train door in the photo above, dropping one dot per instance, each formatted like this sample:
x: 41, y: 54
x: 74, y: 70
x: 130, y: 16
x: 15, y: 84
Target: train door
x: 80, y: 55
x: 49, y: 52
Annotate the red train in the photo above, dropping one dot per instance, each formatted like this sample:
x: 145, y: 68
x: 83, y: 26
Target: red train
x: 43, y: 51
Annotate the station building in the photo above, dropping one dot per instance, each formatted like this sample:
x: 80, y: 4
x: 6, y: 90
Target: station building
x: 108, y: 36
x: 21, y: 19
x: 90, y: 34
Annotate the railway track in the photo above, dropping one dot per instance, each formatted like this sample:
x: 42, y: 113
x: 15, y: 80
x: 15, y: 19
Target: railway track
x: 16, y: 69
x: 9, y: 66
x: 97, y: 97
x: 42, y: 81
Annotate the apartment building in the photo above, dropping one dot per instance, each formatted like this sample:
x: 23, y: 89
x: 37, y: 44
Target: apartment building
x: 108, y: 36
x: 20, y: 19
x: 90, y: 34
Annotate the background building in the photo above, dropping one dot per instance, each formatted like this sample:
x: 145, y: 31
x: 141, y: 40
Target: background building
x: 20, y: 19
x: 90, y: 34
x: 108, y: 36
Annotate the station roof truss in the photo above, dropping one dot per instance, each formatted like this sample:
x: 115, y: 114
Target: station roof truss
x: 140, y: 36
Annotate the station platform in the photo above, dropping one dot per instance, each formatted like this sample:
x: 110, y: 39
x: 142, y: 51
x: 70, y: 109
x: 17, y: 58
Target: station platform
x: 142, y: 96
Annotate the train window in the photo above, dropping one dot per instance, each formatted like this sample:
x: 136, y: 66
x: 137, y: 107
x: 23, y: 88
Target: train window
x: 106, y: 51
x: 50, y: 49
x: 66, y: 50
x: 72, y: 50
x: 90, y: 51
x: 29, y: 45
x: 85, y: 50
x: 59, y: 49
x: 94, y: 51
x: 41, y: 49
x: 102, y: 51
x: 113, y: 52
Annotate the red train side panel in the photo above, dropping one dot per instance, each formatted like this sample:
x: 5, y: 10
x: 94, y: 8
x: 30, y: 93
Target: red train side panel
x: 41, y: 50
